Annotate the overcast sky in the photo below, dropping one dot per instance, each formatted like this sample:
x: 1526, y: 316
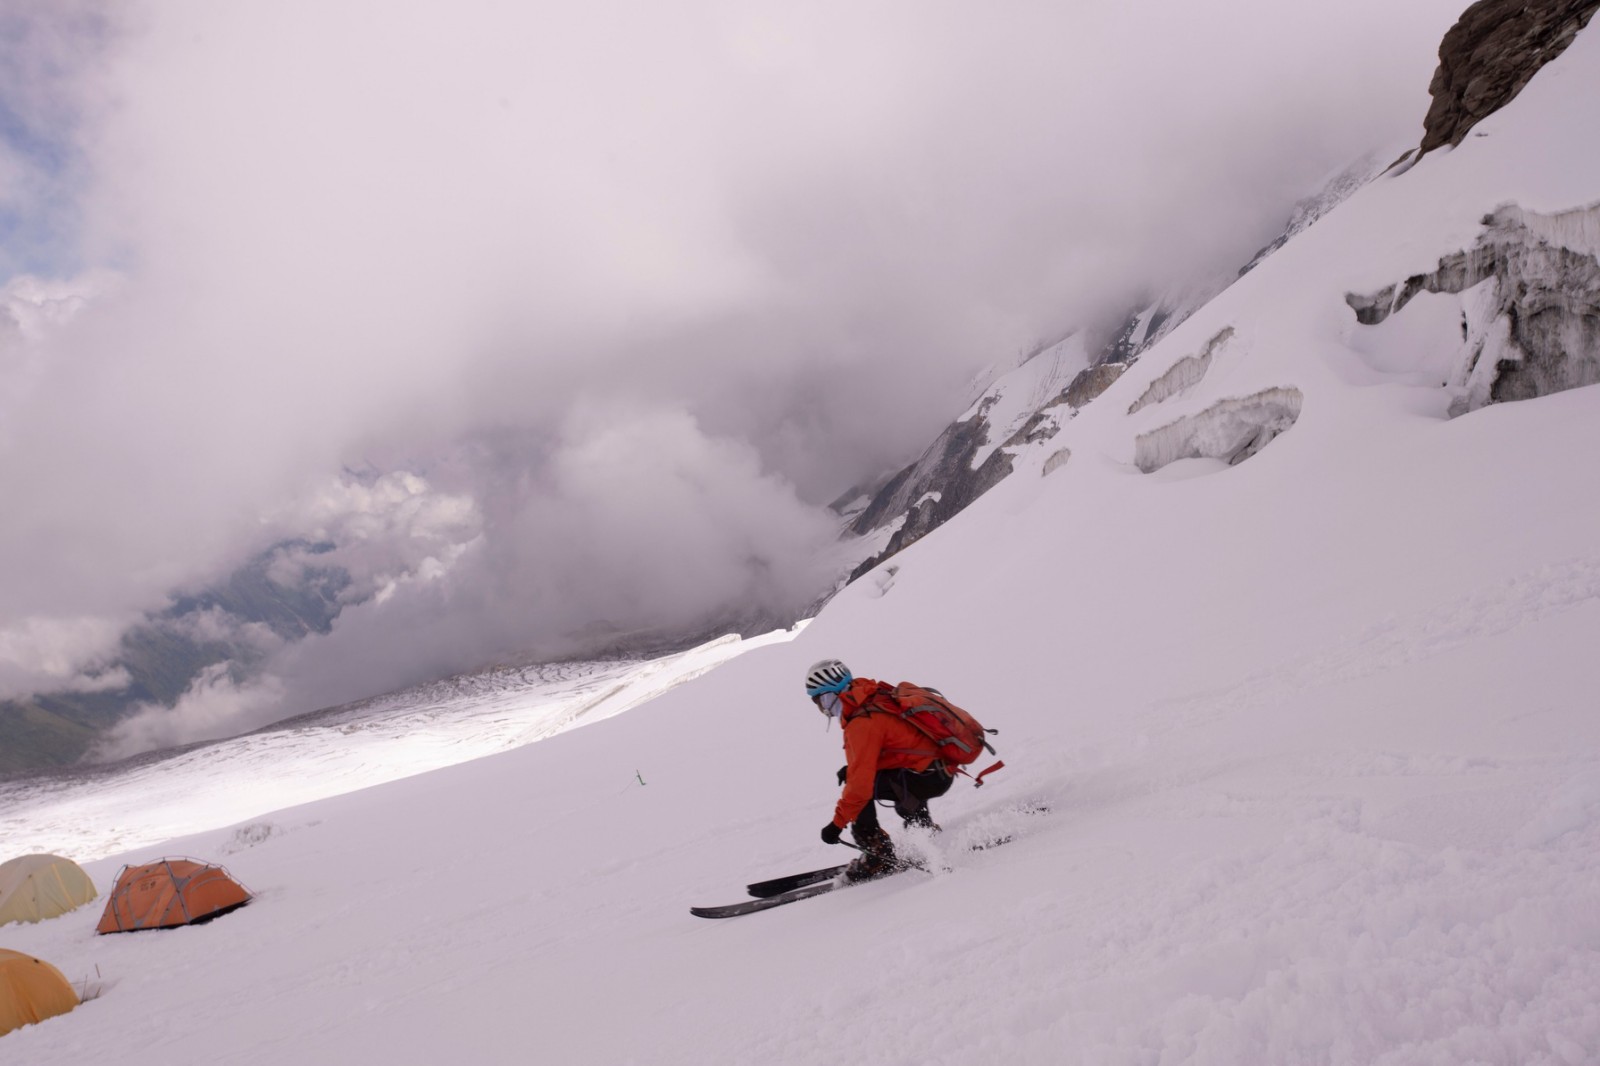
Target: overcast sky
x: 614, y: 294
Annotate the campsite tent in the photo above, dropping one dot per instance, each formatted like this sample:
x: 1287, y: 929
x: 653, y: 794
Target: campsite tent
x: 31, y: 991
x: 170, y: 892
x: 36, y: 887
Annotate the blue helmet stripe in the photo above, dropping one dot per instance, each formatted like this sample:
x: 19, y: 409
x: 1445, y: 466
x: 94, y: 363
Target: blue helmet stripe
x: 838, y: 686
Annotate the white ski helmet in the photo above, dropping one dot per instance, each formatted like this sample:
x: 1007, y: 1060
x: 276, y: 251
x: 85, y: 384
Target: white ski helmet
x: 829, y: 675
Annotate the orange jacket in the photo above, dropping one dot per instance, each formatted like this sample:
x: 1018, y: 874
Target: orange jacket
x: 874, y: 740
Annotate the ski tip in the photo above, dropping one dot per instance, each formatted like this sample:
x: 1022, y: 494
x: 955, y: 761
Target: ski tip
x: 751, y: 906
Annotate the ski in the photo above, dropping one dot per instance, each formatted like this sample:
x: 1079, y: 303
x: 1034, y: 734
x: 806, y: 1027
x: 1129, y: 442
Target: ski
x: 779, y: 885
x: 750, y: 906
x: 792, y: 888
x: 794, y: 895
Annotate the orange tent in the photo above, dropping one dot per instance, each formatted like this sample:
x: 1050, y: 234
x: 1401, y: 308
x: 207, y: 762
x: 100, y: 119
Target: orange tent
x: 170, y: 892
x: 31, y: 991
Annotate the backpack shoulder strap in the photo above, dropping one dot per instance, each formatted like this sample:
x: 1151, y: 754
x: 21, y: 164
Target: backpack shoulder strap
x: 879, y: 699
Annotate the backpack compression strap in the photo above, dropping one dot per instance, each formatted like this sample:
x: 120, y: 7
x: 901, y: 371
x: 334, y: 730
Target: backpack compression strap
x: 977, y: 782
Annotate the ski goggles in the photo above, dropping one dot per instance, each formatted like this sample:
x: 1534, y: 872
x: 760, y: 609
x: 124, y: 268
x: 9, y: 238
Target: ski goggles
x: 828, y: 703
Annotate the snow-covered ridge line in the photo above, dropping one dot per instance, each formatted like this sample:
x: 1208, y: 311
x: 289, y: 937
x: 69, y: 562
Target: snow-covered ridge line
x: 1339, y: 188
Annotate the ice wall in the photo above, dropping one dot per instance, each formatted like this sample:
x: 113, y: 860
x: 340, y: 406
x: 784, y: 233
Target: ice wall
x: 1057, y: 460
x: 1231, y: 430
x: 1183, y: 375
x: 1536, y: 329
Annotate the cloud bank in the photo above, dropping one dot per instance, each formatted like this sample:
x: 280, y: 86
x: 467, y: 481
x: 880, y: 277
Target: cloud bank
x: 614, y: 295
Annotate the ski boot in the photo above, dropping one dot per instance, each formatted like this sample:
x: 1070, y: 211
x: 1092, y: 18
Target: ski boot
x: 877, y: 858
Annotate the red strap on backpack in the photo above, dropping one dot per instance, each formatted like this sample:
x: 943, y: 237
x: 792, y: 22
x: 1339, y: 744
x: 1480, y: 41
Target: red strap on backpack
x: 977, y: 782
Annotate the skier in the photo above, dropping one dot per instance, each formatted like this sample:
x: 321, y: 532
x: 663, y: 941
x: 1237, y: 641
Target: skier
x: 886, y: 759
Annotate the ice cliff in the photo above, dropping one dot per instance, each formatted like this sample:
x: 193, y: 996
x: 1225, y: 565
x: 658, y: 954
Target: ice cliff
x: 1529, y: 317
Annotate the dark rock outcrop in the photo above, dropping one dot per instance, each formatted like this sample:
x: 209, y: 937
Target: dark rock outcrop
x: 1137, y: 332
x: 1090, y: 383
x: 1487, y: 57
x: 945, y: 468
x: 937, y: 486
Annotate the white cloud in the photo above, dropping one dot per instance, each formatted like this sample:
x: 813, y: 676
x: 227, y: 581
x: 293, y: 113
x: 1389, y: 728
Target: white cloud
x: 626, y: 288
x: 216, y: 626
x: 213, y: 706
x: 41, y: 653
x: 380, y: 529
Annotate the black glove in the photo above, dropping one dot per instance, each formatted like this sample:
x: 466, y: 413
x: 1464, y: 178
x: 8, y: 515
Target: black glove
x: 830, y: 833
x: 844, y: 772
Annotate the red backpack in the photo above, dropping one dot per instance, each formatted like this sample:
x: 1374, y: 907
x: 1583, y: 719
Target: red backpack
x: 957, y: 736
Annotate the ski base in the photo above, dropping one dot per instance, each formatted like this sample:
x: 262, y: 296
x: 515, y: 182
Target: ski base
x: 794, y: 895
x: 750, y: 906
x: 779, y: 885
x: 791, y: 888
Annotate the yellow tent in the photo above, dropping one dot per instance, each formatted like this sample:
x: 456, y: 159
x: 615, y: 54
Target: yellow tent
x: 36, y: 887
x: 31, y: 991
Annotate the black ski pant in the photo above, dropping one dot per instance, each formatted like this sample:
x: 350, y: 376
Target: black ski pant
x: 909, y: 791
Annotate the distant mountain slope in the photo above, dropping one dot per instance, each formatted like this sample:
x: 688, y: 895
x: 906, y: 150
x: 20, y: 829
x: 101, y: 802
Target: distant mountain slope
x: 1548, y: 310
x: 232, y: 622
x: 1030, y: 403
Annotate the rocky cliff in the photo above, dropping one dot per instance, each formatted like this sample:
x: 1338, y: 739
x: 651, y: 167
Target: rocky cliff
x: 1487, y: 57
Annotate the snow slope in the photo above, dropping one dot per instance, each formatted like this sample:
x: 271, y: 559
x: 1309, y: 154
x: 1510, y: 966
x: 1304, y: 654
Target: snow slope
x: 1316, y: 734
x: 88, y: 814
